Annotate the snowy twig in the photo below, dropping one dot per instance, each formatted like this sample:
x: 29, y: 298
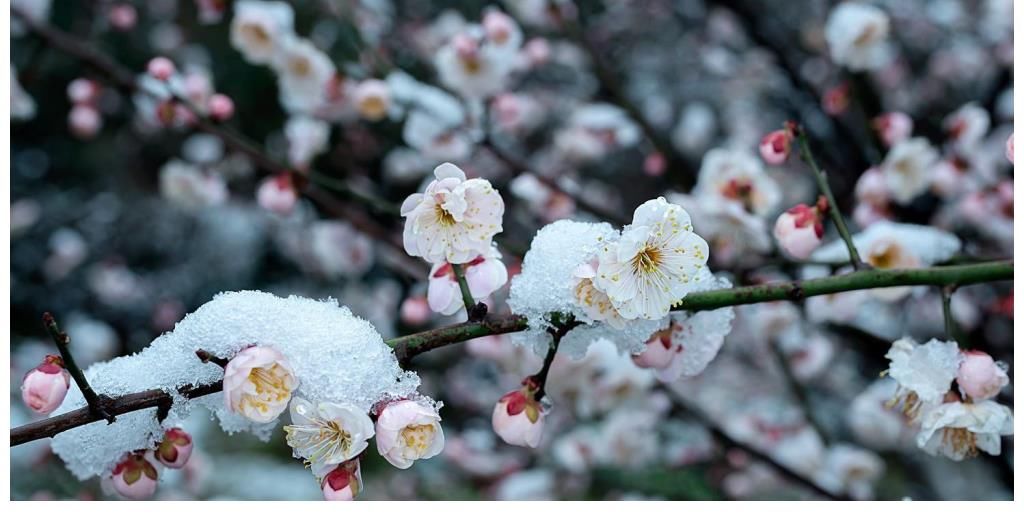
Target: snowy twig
x: 98, y: 405
x: 833, y: 208
x: 410, y: 346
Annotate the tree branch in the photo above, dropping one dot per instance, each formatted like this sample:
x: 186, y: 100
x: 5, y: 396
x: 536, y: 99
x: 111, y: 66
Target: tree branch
x: 97, y: 403
x: 410, y: 346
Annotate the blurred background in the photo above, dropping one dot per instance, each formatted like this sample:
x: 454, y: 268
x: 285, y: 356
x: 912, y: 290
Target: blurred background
x: 103, y: 237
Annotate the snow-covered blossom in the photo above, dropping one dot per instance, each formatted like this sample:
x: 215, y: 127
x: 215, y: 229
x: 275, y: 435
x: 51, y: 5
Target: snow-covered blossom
x: 980, y: 377
x: 372, y: 99
x: 343, y: 483
x: 408, y: 430
x: 958, y: 429
x: 259, y: 28
x: 190, y: 188
x: 775, y: 146
x: 655, y: 262
x: 136, y: 475
x: 258, y: 382
x: 518, y: 418
x: 893, y: 127
x: 906, y: 168
x: 799, y: 230
x: 307, y: 138
x: 967, y: 126
x: 924, y: 372
x: 857, y: 36
x: 737, y: 176
x: 485, y: 274
x: 304, y: 73
x: 175, y: 449
x: 327, y: 433
x: 277, y: 194
x: 477, y: 61
x: 44, y: 387
x: 454, y: 219
x: 594, y: 302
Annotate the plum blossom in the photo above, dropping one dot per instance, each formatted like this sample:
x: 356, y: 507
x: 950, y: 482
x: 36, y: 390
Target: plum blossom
x: 731, y: 231
x: 924, y: 373
x: 956, y: 429
x: 485, y: 274
x: 893, y: 127
x: 304, y: 74
x: 259, y: 28
x: 327, y: 433
x: 454, y: 219
x: 188, y: 187
x: 136, y: 475
x: 160, y: 68
x: 408, y: 430
x: 43, y: 389
x: 775, y: 146
x: 738, y: 177
x: 594, y: 130
x: 873, y: 422
x: 980, y: 377
x: 478, y: 61
x: 343, y: 482
x: 372, y: 99
x: 967, y: 126
x: 258, y: 382
x: 799, y: 230
x: 857, y: 36
x: 307, y: 138
x: 655, y: 262
x: 277, y: 194
x: 594, y: 302
x: 175, y: 449
x: 906, y: 169
x: 518, y: 418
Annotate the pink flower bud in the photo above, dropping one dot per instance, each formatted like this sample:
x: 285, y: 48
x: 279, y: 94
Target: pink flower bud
x: 123, y: 17
x: 220, y: 107
x: 799, y: 231
x: 135, y: 476
x: 980, y: 377
x: 82, y: 91
x: 160, y: 68
x: 537, y: 51
x: 659, y: 352
x: 84, y: 121
x: 43, y: 388
x: 893, y: 127
x: 836, y: 100
x: 175, y: 450
x: 277, y: 194
x: 518, y: 418
x: 415, y: 311
x: 655, y: 164
x: 343, y: 483
x: 775, y: 147
x: 465, y: 46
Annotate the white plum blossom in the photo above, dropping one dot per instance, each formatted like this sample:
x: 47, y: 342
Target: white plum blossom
x: 485, y: 274
x: 857, y: 36
x: 907, y: 168
x: 851, y: 469
x: 924, y: 373
x: 435, y: 138
x: 960, y: 429
x: 259, y: 29
x: 408, y: 430
x: 594, y: 302
x: 327, y: 433
x: 478, y: 61
x: 188, y: 187
x: 258, y: 383
x: 737, y: 176
x: 873, y: 422
x: 304, y: 74
x: 893, y: 127
x: 372, y: 99
x: 967, y: 126
x: 454, y: 219
x: 655, y: 262
x: 307, y: 138
x: 731, y: 231
x: 594, y: 130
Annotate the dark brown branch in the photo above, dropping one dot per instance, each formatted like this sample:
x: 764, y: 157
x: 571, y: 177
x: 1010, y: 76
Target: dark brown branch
x: 98, y: 405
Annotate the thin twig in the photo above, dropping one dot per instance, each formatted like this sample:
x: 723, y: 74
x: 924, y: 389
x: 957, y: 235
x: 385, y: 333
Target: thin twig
x: 97, y: 403
x: 833, y: 208
x: 797, y: 390
x: 947, y: 312
x: 472, y: 308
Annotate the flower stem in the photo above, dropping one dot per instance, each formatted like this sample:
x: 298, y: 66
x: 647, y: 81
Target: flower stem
x: 96, y: 402
x: 833, y: 208
x: 947, y: 312
x: 467, y: 295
